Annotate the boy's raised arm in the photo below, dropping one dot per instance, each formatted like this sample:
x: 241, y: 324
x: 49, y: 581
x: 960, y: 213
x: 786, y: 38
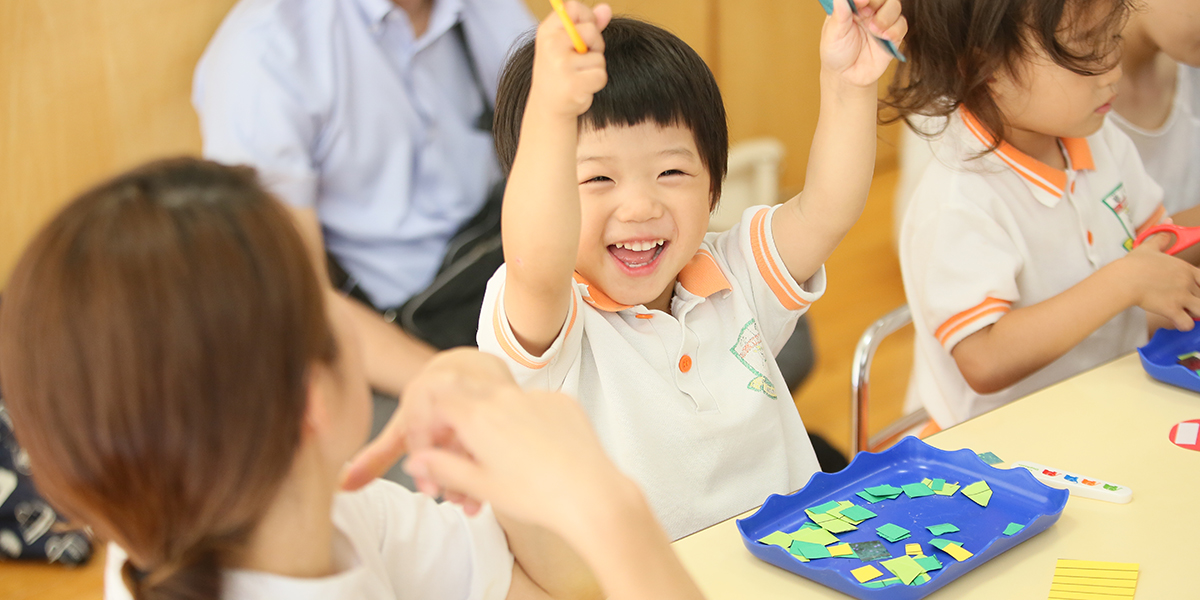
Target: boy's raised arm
x: 541, y: 216
x: 842, y: 158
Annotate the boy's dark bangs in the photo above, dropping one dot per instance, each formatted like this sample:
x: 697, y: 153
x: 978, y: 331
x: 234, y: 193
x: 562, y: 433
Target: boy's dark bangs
x: 1082, y: 36
x: 643, y: 92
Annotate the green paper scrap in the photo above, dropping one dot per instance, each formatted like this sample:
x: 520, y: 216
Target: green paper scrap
x: 903, y: 567
x: 937, y: 484
x: 885, y: 491
x: 795, y: 551
x: 869, y: 497
x: 929, y: 563
x: 948, y: 489
x: 824, y: 508
x: 810, y: 551
x: 809, y: 525
x: 815, y: 536
x: 892, y: 533
x: 869, y: 551
x: 778, y: 538
x: 941, y: 544
x: 833, y: 524
x: 916, y: 490
x: 942, y: 529
x: 858, y: 513
x: 990, y: 458
x: 921, y: 579
x: 979, y: 492
x: 883, y: 583
x: 1013, y: 528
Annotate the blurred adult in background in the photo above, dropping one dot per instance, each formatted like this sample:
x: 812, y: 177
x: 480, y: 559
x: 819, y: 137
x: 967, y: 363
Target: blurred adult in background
x: 371, y: 119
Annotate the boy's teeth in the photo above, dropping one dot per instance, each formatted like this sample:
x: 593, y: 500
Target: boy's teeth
x: 639, y: 246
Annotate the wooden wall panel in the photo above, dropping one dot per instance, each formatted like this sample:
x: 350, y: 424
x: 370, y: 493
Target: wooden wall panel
x: 90, y: 87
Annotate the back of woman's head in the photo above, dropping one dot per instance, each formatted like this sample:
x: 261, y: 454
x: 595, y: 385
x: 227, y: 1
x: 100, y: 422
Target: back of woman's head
x: 154, y: 344
x: 955, y: 49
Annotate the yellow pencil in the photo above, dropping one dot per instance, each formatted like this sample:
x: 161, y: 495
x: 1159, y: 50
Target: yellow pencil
x: 580, y: 47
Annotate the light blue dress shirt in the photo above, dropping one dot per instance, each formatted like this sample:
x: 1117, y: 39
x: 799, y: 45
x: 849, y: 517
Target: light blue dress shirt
x: 342, y: 109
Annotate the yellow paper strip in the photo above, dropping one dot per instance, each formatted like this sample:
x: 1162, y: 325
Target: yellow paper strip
x: 958, y: 552
x: 841, y: 550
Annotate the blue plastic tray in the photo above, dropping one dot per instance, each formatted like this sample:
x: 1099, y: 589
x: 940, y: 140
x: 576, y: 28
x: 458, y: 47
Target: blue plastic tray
x: 1016, y: 498
x: 1159, y: 357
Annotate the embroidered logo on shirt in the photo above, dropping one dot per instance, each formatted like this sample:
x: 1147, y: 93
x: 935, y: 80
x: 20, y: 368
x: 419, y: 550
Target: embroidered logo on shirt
x: 749, y: 350
x: 1117, y: 201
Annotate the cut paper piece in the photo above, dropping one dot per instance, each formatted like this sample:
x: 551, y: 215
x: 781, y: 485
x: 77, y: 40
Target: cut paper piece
x: 795, y: 551
x: 839, y: 512
x: 810, y: 551
x: 815, y: 536
x: 833, y: 524
x: 929, y: 563
x: 927, y: 481
x: 857, y: 513
x: 823, y: 508
x: 869, y: 497
x: 885, y: 491
x: 941, y: 544
x: 979, y: 492
x: 841, y: 550
x: 913, y: 549
x: 917, y: 490
x: 989, y: 458
x: 948, y: 489
x: 942, y: 529
x: 810, y: 525
x: 865, y: 574
x: 883, y: 583
x: 921, y: 579
x: 958, y: 552
x: 892, y: 533
x: 903, y: 567
x: 937, y: 484
x: 1086, y: 579
x: 869, y: 551
x: 778, y: 538
x: 1186, y: 435
x: 1013, y: 529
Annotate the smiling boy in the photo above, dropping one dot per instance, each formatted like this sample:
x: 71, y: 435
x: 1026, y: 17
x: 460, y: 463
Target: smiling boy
x: 612, y: 289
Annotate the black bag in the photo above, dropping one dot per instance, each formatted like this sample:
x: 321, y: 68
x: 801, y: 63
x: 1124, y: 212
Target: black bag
x: 446, y: 314
x: 29, y: 527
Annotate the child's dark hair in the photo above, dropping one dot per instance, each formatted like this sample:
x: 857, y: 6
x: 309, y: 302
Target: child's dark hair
x: 955, y: 47
x: 652, y: 75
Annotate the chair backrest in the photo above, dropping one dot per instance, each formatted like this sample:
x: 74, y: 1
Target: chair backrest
x: 860, y: 385
x: 753, y: 179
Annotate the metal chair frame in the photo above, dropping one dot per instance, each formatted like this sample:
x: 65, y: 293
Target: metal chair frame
x: 860, y: 385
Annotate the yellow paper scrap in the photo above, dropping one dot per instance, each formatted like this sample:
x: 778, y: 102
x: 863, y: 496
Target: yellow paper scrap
x: 841, y: 550
x: 912, y: 549
x: 865, y: 574
x: 1085, y: 580
x: 958, y: 552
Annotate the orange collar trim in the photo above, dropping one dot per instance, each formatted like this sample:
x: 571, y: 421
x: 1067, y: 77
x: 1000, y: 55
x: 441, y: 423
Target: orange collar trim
x: 1045, y: 177
x: 701, y: 276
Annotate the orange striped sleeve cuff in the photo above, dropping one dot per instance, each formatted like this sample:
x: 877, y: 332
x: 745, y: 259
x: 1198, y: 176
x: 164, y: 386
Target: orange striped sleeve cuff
x: 512, y: 348
x: 1154, y: 219
x: 971, y: 320
x: 771, y: 267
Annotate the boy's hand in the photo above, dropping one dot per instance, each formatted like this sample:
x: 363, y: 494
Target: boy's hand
x: 847, y: 46
x: 564, y: 81
x: 1162, y: 284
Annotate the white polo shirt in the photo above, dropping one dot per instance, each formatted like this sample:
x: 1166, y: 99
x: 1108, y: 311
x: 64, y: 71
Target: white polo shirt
x: 690, y: 404
x: 984, y: 236
x: 391, y: 543
x: 1171, y: 153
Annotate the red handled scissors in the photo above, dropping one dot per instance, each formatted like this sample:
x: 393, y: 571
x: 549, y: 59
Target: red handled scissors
x: 1185, y: 237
